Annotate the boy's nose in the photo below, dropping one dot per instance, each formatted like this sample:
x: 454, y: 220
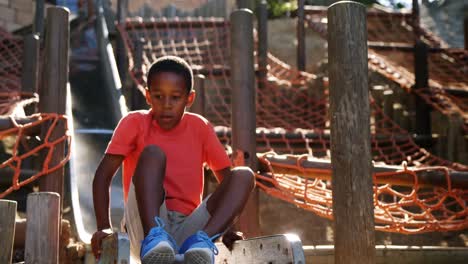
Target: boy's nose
x: 167, y: 102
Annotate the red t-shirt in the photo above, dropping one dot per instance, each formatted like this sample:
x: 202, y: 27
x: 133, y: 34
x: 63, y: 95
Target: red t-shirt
x: 187, y: 146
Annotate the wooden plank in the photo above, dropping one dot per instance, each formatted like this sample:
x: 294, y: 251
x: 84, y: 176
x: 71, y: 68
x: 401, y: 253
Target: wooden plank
x: 138, y: 99
x: 421, y: 69
x: 7, y: 229
x: 53, y: 90
x: 278, y: 249
x: 300, y: 34
x: 115, y: 249
x: 122, y: 11
x: 262, y: 55
x: 38, y: 26
x: 243, y: 117
x: 30, y: 69
x: 42, y: 231
x: 324, y: 254
x: 353, y: 208
x: 321, y: 169
x: 198, y: 105
x: 465, y: 30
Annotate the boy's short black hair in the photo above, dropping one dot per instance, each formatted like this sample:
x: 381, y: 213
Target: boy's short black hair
x: 171, y: 64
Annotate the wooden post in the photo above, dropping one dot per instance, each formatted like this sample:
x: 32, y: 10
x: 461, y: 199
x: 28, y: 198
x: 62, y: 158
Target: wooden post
x: 423, y: 110
x: 38, y: 26
x: 30, y: 69
x: 243, y: 117
x: 353, y: 207
x: 465, y: 29
x: 7, y: 229
x: 416, y: 19
x: 262, y: 17
x: 139, y: 52
x: 54, y: 87
x: 300, y: 31
x: 42, y: 228
x: 244, y: 4
x: 122, y: 11
x: 198, y: 105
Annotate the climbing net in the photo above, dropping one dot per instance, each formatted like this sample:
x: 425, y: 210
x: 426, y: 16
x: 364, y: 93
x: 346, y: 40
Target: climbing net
x: 391, y: 38
x: 24, y: 153
x: 292, y: 118
x: 20, y: 149
x: 10, y: 74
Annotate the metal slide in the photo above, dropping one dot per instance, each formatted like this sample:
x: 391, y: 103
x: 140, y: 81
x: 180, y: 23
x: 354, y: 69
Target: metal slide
x: 94, y: 105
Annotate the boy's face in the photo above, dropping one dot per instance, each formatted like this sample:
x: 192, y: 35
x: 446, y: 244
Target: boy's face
x: 168, y: 98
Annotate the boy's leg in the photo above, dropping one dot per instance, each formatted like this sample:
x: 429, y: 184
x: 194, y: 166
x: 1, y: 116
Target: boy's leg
x: 224, y: 205
x: 228, y: 200
x: 158, y: 247
x: 148, y: 181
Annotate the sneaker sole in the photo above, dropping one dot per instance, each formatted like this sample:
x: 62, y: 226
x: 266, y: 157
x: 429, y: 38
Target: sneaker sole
x: 160, y: 255
x: 198, y: 256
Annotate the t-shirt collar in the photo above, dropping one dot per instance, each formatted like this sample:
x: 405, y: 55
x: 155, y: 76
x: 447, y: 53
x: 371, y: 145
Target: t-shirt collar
x: 179, y: 127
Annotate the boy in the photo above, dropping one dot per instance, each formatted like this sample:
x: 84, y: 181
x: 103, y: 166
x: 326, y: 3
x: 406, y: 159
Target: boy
x: 163, y: 151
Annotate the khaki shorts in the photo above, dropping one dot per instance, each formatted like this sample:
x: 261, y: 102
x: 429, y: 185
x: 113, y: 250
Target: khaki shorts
x: 179, y: 226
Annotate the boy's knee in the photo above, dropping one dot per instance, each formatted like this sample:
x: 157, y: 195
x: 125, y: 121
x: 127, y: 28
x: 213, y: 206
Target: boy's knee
x: 245, y: 175
x: 153, y: 151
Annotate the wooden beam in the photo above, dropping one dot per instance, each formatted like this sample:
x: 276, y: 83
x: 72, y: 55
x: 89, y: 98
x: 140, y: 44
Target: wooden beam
x: 137, y: 24
x: 320, y: 10
x: 7, y: 229
x: 54, y: 88
x: 262, y: 55
x: 421, y: 70
x: 300, y: 35
x: 198, y: 105
x: 42, y: 228
x: 38, y: 26
x: 377, y: 45
x: 30, y: 69
x: 243, y: 107
x: 260, y: 250
x: 115, y: 249
x: 138, y: 99
x: 122, y: 11
x: 322, y: 169
x: 350, y: 134
x: 465, y: 30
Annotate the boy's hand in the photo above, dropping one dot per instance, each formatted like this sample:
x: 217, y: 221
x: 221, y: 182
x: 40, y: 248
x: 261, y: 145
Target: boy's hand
x: 232, y: 236
x: 96, y: 241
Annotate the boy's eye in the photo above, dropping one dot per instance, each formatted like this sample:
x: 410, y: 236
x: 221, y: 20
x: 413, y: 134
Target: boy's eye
x: 175, y: 97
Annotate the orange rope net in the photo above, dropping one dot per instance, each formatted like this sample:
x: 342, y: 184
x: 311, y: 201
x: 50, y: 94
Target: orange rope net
x: 292, y: 118
x: 447, y: 66
x: 21, y: 152
x: 18, y: 156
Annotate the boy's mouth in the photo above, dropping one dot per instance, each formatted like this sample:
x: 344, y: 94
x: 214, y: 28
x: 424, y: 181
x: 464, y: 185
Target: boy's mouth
x: 166, y: 118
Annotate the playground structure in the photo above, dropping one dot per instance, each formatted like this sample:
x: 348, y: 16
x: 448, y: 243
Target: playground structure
x: 435, y: 195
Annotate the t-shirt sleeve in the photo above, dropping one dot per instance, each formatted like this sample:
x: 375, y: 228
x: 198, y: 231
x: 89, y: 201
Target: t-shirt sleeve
x: 124, y: 138
x: 213, y: 151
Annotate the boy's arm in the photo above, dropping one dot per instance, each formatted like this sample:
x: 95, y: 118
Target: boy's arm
x: 222, y: 174
x: 101, y: 187
x: 231, y: 235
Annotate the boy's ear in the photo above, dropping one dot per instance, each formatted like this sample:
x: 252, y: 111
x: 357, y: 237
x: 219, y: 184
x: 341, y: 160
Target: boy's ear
x: 148, y: 96
x: 191, y: 98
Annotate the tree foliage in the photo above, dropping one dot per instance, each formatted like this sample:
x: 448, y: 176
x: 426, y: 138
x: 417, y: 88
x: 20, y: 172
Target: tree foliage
x: 281, y: 8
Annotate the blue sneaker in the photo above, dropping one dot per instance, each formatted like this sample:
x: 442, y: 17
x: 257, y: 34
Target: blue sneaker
x: 199, y: 249
x: 158, y: 247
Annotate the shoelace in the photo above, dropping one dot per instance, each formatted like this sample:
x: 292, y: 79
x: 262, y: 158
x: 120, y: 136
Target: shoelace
x: 209, y: 241
x: 160, y: 231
